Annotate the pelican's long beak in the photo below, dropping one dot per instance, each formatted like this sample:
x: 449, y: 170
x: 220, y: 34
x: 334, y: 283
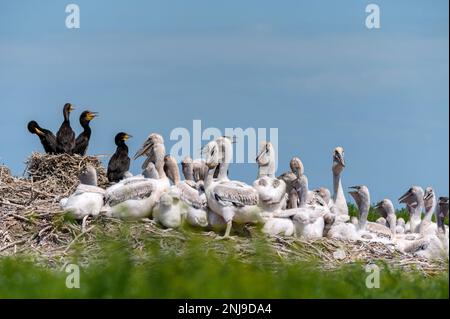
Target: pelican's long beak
x: 340, y: 159
x: 258, y: 157
x: 428, y: 195
x: 354, y: 190
x: 404, y: 197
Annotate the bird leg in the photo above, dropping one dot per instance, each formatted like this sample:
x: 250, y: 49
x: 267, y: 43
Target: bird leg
x: 227, y: 231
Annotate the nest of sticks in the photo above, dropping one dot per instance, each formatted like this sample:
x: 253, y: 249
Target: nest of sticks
x: 31, y: 224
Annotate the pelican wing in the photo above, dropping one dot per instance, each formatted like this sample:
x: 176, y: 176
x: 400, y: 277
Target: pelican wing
x: 135, y: 190
x: 315, y: 199
x: 235, y: 194
x: 190, y: 195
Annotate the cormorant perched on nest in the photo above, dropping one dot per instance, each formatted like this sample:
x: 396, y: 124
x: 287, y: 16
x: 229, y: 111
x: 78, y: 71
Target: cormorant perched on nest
x: 119, y: 163
x: 82, y: 141
x: 66, y: 136
x: 48, y: 139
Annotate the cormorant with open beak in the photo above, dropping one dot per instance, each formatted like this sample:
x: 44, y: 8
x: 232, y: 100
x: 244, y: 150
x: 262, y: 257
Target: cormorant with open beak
x: 66, y: 136
x: 82, y: 141
x: 119, y: 163
x: 48, y: 139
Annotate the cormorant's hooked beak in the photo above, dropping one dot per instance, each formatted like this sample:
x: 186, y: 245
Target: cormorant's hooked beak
x: 127, y: 137
x: 38, y: 131
x: 92, y: 115
x: 71, y: 108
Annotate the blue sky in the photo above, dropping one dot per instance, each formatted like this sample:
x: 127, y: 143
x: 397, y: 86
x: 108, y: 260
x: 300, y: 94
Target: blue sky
x: 309, y: 68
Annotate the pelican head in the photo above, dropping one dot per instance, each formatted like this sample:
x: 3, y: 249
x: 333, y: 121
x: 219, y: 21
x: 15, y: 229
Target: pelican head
x: 385, y: 208
x: 360, y: 194
x: 89, y: 176
x: 413, y: 197
x: 187, y: 167
x: 324, y: 193
x: 212, y: 154
x: 338, y: 160
x: 265, y: 154
x: 297, y: 166
x: 171, y: 168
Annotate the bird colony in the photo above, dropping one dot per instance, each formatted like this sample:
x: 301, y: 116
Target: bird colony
x: 206, y: 197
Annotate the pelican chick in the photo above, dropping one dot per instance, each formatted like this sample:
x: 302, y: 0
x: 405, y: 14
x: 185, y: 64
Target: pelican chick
x: 271, y: 190
x: 339, y: 201
x: 188, y: 192
x: 87, y: 200
x: 368, y: 230
x: 233, y: 200
x: 413, y: 199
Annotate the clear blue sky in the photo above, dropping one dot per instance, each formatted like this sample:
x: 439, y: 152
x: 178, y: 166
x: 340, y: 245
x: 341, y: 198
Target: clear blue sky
x: 309, y: 68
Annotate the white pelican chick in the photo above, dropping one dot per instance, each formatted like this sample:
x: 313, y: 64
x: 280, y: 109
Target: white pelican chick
x: 87, y: 200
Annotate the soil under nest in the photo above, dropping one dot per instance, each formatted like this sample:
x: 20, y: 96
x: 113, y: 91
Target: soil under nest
x: 31, y: 224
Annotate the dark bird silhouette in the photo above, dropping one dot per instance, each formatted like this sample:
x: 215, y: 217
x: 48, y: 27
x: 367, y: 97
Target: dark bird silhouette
x: 66, y: 136
x: 82, y: 141
x: 48, y: 139
x: 119, y: 163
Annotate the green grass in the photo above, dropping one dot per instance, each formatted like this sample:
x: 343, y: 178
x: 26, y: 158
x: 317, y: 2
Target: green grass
x: 199, y: 274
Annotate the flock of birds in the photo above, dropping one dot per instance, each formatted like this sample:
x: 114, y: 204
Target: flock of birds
x: 207, y: 198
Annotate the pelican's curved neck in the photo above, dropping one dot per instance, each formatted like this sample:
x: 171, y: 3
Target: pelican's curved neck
x: 430, y: 211
x: 363, y: 213
x: 303, y: 191
x: 188, y: 172
x: 338, y: 194
x: 227, y: 155
x: 159, y: 162
x: 269, y: 169
x: 209, y: 178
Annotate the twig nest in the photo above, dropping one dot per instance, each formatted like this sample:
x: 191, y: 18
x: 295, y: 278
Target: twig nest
x: 339, y: 254
x: 62, y: 171
x: 5, y: 174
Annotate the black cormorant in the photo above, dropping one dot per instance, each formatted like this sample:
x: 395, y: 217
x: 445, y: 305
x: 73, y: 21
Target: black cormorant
x: 82, y: 141
x: 66, y: 136
x: 48, y: 139
x: 119, y: 163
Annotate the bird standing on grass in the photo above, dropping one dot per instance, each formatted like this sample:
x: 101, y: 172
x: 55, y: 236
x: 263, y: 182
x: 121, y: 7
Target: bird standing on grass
x: 66, y: 136
x: 48, y: 139
x: 82, y: 141
x: 120, y: 161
